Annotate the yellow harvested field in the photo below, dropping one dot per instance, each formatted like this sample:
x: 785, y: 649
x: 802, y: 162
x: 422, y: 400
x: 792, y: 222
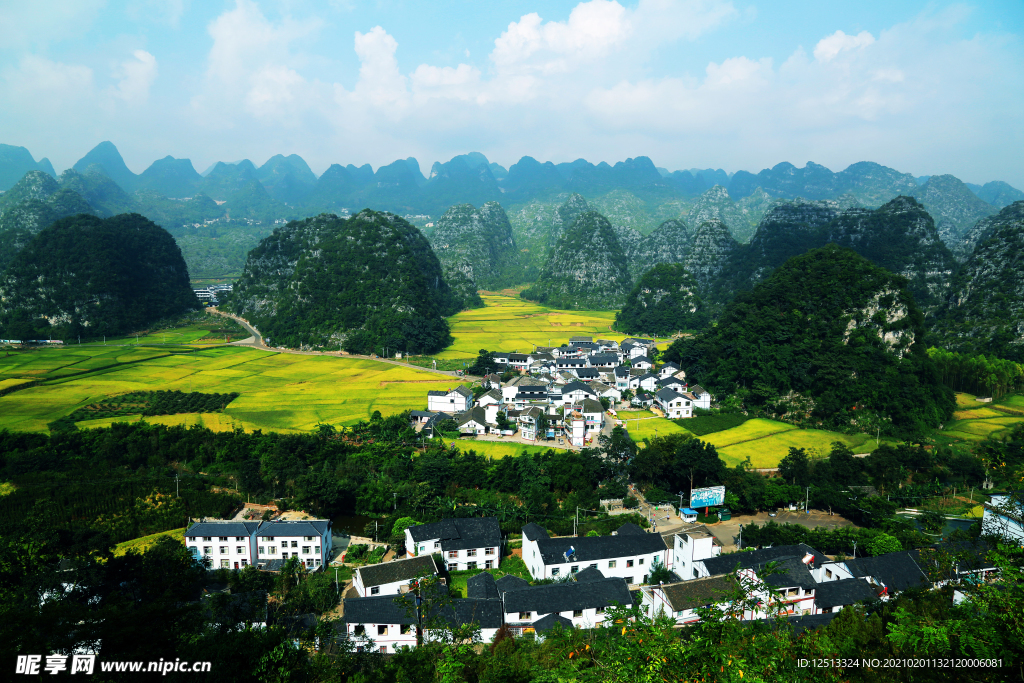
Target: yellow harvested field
x: 499, y: 449
x: 977, y: 413
x: 12, y: 382
x: 967, y: 401
x: 507, y: 323
x: 643, y: 424
x: 278, y: 392
x: 979, y: 430
x: 750, y: 430
x: 768, y: 451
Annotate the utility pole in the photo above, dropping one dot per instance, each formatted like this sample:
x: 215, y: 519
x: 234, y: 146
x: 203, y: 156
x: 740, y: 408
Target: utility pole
x: 855, y: 550
x: 396, y: 500
x: 176, y: 494
x: 337, y: 588
x: 807, y: 501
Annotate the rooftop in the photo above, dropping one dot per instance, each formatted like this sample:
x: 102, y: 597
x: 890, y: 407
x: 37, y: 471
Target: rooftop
x: 460, y: 533
x: 397, y: 570
x: 698, y: 592
x: 565, y: 597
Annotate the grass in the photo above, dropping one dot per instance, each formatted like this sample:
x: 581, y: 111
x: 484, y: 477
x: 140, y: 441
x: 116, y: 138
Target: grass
x: 279, y: 392
x: 643, y: 424
x: 703, y: 425
x: 507, y: 323
x: 499, y: 449
x: 143, y: 544
x: 509, y: 565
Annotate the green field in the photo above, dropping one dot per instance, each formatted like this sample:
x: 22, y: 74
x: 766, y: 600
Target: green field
x: 143, y: 544
x: 279, y: 392
x: 498, y: 449
x: 508, y: 323
x: 974, y: 421
x: 643, y: 424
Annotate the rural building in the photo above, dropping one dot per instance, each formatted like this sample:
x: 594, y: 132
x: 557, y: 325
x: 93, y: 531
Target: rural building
x: 583, y: 603
x: 391, y: 578
x: 228, y: 545
x: 630, y: 553
x: 673, y: 404
x: 309, y: 540
x: 464, y: 543
x: 681, y: 600
x: 454, y: 400
x: 1004, y: 517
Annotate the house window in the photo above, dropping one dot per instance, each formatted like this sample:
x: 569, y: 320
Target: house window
x: 575, y: 568
x: 453, y: 566
x: 453, y: 554
x: 305, y: 550
x: 629, y: 579
x: 224, y: 564
x: 641, y: 560
x: 374, y: 590
x: 629, y: 563
x: 224, y: 550
x: 523, y: 616
x: 577, y: 613
x: 245, y: 562
x: 307, y: 538
x: 489, y: 551
x: 611, y: 564
x: 239, y: 550
x: 316, y: 550
x: 555, y: 571
x: 695, y: 574
x: 207, y: 538
x: 273, y: 550
x: 489, y: 564
x: 423, y: 548
x: 594, y: 565
x: 316, y: 563
x: 828, y: 573
x: 207, y: 550
x: 270, y: 538
x: 261, y: 550
x: 360, y: 630
x: 295, y: 544
x: 437, y: 544
x: 599, y: 610
x: 223, y: 538
x: 471, y: 552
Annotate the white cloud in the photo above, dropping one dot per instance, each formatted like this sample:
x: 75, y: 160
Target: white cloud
x: 135, y: 76
x: 829, y: 48
x: 381, y: 84
x: 41, y: 22
x: 39, y: 77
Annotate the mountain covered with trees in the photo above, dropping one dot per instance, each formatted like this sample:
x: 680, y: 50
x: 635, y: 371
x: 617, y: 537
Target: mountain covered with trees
x: 90, y: 276
x: 479, y: 244
x: 365, y: 283
x: 829, y: 338
x: 953, y: 205
x: 586, y: 270
x: 663, y: 302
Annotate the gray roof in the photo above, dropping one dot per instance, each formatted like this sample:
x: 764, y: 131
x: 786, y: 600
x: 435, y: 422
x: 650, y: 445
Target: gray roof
x: 621, y: 371
x: 699, y: 592
x: 304, y: 527
x: 397, y: 570
x: 896, y: 571
x: 592, y: 373
x: 564, y: 597
x: 789, y: 572
x: 581, y: 339
x: 642, y: 359
x: 387, y: 609
x: 697, y: 390
x: 482, y: 586
x: 511, y: 582
x: 476, y: 414
x: 577, y: 386
x: 603, y: 359
x: 533, y: 531
x: 461, y: 611
x: 589, y: 574
x: 592, y: 406
x: 671, y: 382
x: 550, y: 621
x: 421, y: 413
x: 845, y: 592
x: 590, y: 548
x: 724, y: 564
x: 668, y: 394
x: 214, y: 529
x: 460, y: 533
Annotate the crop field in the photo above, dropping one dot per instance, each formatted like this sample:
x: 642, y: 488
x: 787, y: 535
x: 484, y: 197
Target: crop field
x: 498, y: 449
x: 508, y: 323
x: 976, y: 421
x: 279, y: 392
x: 643, y: 424
x: 980, y: 429
x: 142, y: 544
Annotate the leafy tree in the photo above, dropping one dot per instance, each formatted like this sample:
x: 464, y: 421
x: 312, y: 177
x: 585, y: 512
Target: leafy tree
x: 795, y: 467
x: 884, y: 543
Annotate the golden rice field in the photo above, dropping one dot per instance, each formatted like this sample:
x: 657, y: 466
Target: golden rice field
x: 279, y: 392
x: 508, y: 323
x: 976, y: 421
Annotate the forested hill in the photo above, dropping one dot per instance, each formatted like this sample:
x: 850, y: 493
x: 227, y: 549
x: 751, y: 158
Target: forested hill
x: 829, y: 338
x: 365, y: 283
x: 663, y: 302
x: 586, y: 269
x: 899, y: 236
x: 985, y: 309
x: 91, y: 276
x: 479, y: 244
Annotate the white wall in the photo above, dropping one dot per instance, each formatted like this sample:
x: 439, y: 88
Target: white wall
x: 393, y: 639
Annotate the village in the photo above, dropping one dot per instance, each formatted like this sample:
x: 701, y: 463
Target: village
x: 567, y: 393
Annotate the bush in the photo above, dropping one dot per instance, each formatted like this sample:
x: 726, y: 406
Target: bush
x: 884, y: 543
x: 630, y: 503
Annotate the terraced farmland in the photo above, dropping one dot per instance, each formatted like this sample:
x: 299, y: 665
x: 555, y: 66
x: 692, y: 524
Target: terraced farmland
x: 279, y: 392
x: 975, y: 421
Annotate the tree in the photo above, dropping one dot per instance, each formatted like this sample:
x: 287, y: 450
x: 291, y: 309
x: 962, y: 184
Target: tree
x: 932, y: 521
x: 504, y: 424
x: 484, y: 364
x: 883, y: 544
x: 795, y: 468
x: 397, y: 538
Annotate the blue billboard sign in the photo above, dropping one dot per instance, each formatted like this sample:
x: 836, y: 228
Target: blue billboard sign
x: 713, y: 495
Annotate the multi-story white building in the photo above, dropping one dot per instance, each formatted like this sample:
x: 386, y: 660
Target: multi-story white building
x: 390, y: 622
x: 631, y: 553
x: 392, y: 578
x: 464, y: 543
x: 308, y: 540
x: 455, y: 400
x: 227, y: 544
x: 582, y: 602
x: 690, y: 547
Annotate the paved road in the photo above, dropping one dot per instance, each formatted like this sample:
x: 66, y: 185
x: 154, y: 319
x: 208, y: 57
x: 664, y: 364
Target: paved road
x: 256, y: 342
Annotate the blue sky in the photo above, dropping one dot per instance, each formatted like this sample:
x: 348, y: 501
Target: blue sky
x: 924, y: 87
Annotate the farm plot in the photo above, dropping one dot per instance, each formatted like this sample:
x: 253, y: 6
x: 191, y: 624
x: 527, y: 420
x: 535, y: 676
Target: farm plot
x: 980, y: 429
x: 498, y: 449
x: 643, y: 424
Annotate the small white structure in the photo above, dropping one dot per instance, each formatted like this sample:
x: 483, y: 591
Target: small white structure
x: 674, y: 404
x: 1004, y: 517
x: 228, y: 544
x: 392, y: 578
x: 690, y: 547
x: 681, y: 600
x: 307, y: 539
x: 464, y: 543
x: 630, y: 553
x: 581, y: 603
x: 386, y: 621
x: 455, y: 400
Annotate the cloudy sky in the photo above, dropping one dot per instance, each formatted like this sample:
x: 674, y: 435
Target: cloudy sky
x: 924, y: 87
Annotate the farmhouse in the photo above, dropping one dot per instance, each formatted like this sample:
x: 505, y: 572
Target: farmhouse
x: 581, y: 603
x: 681, y: 600
x: 229, y: 545
x: 454, y: 400
x: 392, y: 578
x: 673, y: 404
x: 308, y: 540
x: 630, y: 554
x: 464, y: 543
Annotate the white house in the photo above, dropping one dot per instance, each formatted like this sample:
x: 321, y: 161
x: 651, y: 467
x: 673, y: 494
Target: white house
x: 492, y: 397
x: 464, y: 543
x: 308, y: 539
x: 583, y: 603
x: 644, y: 382
x: 681, y: 600
x: 528, y: 420
x: 832, y: 596
x: 450, y: 401
x: 388, y: 622
x: 1004, y: 517
x: 392, y: 578
x: 576, y: 392
x: 630, y: 553
x: 593, y: 416
x: 690, y: 547
x: 642, y: 363
x: 668, y: 369
x: 472, y: 421
x: 228, y: 544
x: 605, y: 391
x: 673, y: 404
x: 701, y: 398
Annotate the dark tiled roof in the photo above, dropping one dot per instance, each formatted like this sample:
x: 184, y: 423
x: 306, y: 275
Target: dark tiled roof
x: 671, y: 383
x: 698, y: 592
x: 511, y: 582
x: 966, y: 556
x: 725, y: 564
x: 588, y: 373
x: 845, y: 592
x: 789, y: 572
x: 671, y: 364
x: 518, y: 357
x: 482, y: 586
x: 603, y: 358
x: 581, y: 339
x: 896, y: 571
x: 642, y: 359
x: 387, y: 609
x: 421, y: 413
x: 621, y: 371
x: 563, y: 597
x: 477, y: 415
x: 668, y: 394
x: 630, y: 528
x: 437, y: 393
x: 592, y: 406
x: 576, y: 386
x: 305, y: 527
x: 534, y: 531
x: 398, y: 570
x: 809, y: 622
x: 547, y: 623
x: 589, y: 574
x: 460, y: 533
x: 697, y: 390
x: 590, y: 548
x: 214, y: 529
x: 486, y: 613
